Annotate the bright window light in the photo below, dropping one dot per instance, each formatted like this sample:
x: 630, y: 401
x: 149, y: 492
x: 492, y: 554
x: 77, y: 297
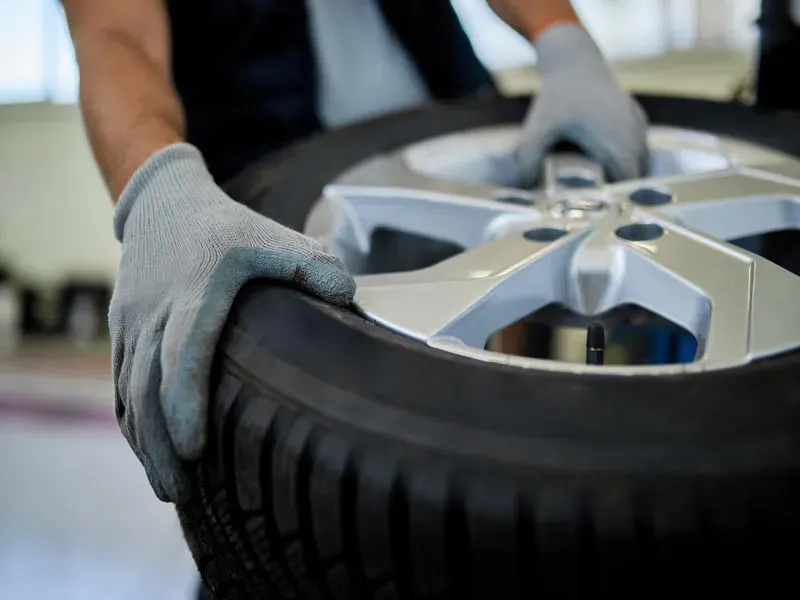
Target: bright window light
x: 39, y: 63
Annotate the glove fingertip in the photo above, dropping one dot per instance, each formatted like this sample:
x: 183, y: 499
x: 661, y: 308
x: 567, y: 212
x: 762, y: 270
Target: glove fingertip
x: 184, y: 401
x: 158, y: 488
x: 327, y: 279
x: 167, y: 478
x: 185, y: 409
x: 178, y: 488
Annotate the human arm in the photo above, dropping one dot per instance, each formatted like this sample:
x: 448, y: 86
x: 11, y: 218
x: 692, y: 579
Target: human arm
x: 530, y: 18
x: 187, y: 248
x: 129, y: 104
x: 580, y: 101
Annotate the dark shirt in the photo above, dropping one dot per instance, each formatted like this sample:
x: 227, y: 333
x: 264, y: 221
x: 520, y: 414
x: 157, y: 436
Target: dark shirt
x: 245, y: 70
x: 778, y: 57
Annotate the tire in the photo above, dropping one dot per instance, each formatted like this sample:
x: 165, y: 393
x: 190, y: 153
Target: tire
x: 346, y: 461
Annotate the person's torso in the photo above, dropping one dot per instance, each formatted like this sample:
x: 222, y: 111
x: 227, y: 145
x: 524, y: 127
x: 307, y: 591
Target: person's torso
x: 779, y: 48
x: 256, y: 75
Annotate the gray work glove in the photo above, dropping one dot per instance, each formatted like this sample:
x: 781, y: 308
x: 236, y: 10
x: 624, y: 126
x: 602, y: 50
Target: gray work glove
x: 187, y: 249
x: 581, y: 103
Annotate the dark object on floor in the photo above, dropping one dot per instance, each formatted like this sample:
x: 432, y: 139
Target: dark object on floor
x: 83, y: 310
x: 32, y: 322
x: 346, y: 461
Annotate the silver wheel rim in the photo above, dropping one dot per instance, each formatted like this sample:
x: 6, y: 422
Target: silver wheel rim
x: 659, y: 243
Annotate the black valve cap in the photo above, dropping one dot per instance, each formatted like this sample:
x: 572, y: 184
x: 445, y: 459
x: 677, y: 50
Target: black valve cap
x: 595, y: 344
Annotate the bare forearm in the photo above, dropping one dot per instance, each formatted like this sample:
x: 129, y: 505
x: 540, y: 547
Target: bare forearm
x: 129, y: 104
x: 531, y: 17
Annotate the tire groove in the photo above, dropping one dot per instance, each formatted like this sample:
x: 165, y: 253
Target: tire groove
x: 399, y: 541
x: 350, y: 539
x: 213, y: 530
x: 237, y: 516
x: 587, y: 546
x: 330, y: 563
x: 526, y: 549
x: 305, y: 522
x: 225, y: 590
x: 267, y: 512
x: 211, y: 524
x: 644, y: 535
x: 458, y: 549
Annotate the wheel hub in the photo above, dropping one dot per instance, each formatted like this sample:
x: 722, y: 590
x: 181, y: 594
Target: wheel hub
x: 575, y: 209
x: 660, y: 243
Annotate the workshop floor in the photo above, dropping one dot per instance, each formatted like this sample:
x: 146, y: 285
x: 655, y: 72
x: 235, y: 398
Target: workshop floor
x: 77, y: 518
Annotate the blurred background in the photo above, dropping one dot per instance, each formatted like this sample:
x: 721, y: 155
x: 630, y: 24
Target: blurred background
x: 77, y: 518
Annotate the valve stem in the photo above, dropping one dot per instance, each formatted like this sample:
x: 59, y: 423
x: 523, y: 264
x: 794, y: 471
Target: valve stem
x: 595, y: 344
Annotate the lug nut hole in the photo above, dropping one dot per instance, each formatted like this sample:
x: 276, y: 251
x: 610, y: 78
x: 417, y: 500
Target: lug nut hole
x: 544, y: 234
x: 650, y: 197
x: 640, y: 232
x: 516, y: 200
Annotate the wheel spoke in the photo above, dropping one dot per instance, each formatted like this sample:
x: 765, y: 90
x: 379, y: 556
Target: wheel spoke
x: 474, y: 294
x: 785, y: 171
x: 596, y: 273
x: 776, y: 297
x: 594, y: 248
x: 716, y: 292
x: 385, y: 193
x: 727, y: 205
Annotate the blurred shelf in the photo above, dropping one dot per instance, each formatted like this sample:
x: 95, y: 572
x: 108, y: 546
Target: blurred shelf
x: 713, y: 75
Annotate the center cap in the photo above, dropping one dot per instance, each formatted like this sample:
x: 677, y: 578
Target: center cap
x: 578, y: 208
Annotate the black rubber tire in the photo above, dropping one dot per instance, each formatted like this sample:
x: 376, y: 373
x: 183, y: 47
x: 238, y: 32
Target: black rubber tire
x: 348, y: 462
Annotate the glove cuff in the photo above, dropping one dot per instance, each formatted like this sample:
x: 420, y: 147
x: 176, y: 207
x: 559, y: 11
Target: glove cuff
x: 567, y: 47
x: 178, y: 167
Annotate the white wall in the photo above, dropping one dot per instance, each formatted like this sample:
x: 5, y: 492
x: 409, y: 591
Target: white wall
x: 55, y: 214
x: 624, y: 29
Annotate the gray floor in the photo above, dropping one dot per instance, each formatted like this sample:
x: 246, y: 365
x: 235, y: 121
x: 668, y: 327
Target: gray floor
x: 78, y: 520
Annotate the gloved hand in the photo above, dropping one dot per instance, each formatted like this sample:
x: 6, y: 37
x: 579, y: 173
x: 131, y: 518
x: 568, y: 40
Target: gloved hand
x: 581, y: 103
x: 187, y: 249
